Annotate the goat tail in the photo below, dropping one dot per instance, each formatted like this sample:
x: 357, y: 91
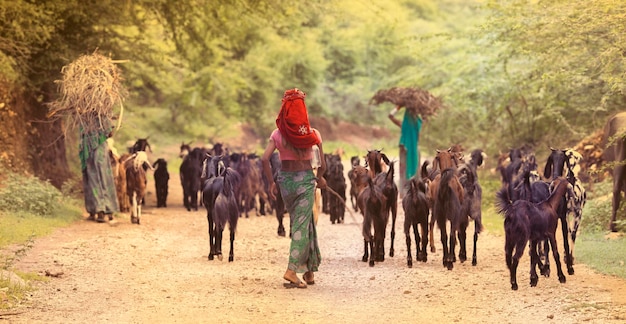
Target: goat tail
x: 424, y: 170
x: 503, y: 201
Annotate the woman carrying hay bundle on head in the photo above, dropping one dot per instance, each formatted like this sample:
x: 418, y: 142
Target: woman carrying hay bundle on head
x: 409, y: 140
x: 419, y: 104
x: 90, y: 87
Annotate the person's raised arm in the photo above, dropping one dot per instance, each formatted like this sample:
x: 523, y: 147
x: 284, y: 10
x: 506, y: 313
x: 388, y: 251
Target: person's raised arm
x: 392, y: 116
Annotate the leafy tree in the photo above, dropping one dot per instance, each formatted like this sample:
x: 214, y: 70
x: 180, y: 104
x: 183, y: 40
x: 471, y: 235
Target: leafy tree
x: 564, y: 65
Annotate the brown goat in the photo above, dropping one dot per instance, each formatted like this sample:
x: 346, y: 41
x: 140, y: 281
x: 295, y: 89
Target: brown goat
x: 119, y: 175
x: 136, y: 183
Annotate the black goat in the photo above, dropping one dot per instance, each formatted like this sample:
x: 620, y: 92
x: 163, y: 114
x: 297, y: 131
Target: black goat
x: 220, y: 201
x: 372, y: 203
x: 415, y: 205
x: 555, y: 168
x: 447, y: 208
x: 354, y: 161
x: 278, y: 204
x: 535, y: 222
x: 161, y: 179
x: 336, y: 181
x: 190, y: 173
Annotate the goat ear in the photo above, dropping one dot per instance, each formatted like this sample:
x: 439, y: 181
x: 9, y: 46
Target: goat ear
x: 547, y: 172
x: 385, y: 158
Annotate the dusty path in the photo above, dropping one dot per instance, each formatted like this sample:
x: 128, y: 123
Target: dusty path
x: 158, y: 272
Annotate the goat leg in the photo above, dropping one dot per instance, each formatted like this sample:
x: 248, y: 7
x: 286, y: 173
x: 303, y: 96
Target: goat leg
x: 409, y: 258
x: 231, y: 254
x: 365, y: 251
x: 534, y: 259
x: 474, y: 258
x: 557, y: 260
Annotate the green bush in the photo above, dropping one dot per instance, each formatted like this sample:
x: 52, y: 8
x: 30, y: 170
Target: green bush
x: 597, y: 210
x: 20, y: 193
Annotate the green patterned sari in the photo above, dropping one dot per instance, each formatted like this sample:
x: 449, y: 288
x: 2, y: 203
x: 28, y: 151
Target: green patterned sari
x: 297, y: 189
x: 98, y: 181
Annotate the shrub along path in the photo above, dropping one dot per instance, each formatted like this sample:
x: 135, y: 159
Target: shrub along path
x: 158, y: 272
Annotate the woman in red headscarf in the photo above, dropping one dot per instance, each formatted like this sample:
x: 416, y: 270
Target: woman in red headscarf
x: 294, y: 139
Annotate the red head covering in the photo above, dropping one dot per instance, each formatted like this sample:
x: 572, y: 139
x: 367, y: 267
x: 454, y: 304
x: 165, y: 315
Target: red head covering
x: 293, y: 120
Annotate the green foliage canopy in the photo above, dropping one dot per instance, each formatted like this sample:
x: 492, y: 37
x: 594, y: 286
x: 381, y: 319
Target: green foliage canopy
x: 537, y: 72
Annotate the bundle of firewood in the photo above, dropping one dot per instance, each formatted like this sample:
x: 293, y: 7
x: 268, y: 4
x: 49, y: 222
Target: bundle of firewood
x: 90, y: 88
x: 416, y: 100
x: 591, y: 149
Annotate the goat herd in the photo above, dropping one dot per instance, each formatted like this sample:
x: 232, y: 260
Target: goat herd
x: 230, y: 184
x: 449, y: 191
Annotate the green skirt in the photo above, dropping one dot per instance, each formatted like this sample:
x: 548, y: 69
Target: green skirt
x: 298, y: 191
x: 98, y: 182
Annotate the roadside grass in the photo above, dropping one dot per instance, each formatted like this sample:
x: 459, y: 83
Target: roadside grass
x: 605, y: 253
x: 29, y: 208
x: 595, y: 246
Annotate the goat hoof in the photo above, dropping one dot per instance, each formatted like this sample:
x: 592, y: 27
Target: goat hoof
x: 220, y: 257
x: 409, y: 263
x: 474, y: 262
x: 514, y: 286
x: 364, y: 258
x: 371, y: 263
x: 562, y: 279
x: 231, y: 258
x: 211, y: 257
x: 570, y: 271
x: 391, y: 253
x: 533, y: 282
x: 462, y: 258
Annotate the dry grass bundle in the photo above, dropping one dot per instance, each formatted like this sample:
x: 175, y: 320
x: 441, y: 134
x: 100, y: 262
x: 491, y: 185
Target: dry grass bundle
x: 90, y: 88
x: 416, y: 100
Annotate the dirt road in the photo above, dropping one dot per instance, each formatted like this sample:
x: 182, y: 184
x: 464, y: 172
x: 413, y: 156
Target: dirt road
x: 158, y: 272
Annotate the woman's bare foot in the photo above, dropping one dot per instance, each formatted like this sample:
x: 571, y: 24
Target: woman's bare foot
x: 309, y: 278
x: 294, y: 281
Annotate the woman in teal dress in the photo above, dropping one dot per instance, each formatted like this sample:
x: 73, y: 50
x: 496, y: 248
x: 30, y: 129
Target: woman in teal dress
x: 409, y: 140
